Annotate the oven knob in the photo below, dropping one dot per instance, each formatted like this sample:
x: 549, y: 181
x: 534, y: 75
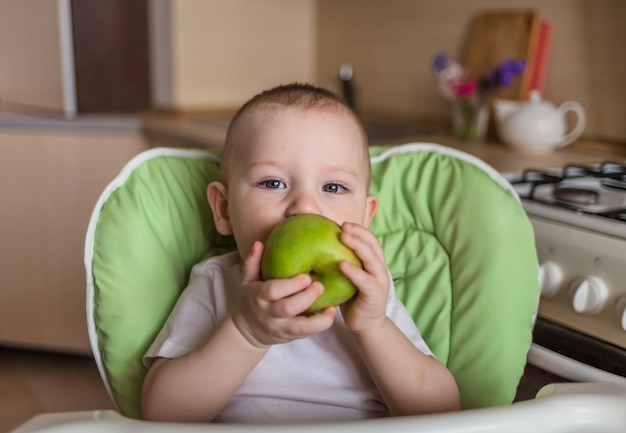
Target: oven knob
x: 550, y: 278
x: 590, y: 295
x: 621, y: 311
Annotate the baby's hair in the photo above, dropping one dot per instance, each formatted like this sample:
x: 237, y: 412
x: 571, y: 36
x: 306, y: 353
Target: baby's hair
x: 296, y: 95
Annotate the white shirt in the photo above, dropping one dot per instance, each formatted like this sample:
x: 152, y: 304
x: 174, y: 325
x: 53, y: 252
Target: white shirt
x: 319, y: 378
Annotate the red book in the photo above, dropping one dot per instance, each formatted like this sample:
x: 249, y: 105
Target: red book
x: 540, y: 58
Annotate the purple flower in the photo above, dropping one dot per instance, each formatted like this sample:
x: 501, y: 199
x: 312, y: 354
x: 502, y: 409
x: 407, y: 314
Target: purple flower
x: 515, y: 67
x: 440, y: 62
x: 502, y: 75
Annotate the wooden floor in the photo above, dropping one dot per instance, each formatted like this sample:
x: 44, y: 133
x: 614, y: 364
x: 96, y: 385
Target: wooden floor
x: 37, y: 382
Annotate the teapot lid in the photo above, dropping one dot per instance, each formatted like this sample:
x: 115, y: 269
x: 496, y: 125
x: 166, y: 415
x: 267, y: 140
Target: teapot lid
x: 534, y: 95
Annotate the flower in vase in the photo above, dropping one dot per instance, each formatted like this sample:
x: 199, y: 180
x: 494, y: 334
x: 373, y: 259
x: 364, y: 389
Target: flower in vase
x: 457, y: 82
x: 469, y: 93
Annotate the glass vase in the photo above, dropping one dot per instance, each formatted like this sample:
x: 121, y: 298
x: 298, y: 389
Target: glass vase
x: 469, y: 119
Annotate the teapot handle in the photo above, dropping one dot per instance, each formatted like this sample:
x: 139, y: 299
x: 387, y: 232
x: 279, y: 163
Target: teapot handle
x: 580, y: 122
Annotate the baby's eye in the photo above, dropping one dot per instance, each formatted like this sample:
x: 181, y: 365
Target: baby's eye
x: 273, y: 184
x: 334, y: 188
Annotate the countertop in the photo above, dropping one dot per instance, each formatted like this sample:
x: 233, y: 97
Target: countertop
x: 40, y: 120
x: 506, y: 160
x: 202, y: 130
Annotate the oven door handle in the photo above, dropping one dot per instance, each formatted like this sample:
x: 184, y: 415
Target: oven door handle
x: 569, y: 368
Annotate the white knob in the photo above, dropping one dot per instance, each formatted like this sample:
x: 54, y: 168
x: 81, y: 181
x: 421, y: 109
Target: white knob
x: 621, y: 311
x: 550, y: 278
x: 590, y: 295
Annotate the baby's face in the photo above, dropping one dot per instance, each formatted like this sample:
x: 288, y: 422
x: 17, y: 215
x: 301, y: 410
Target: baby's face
x: 293, y: 161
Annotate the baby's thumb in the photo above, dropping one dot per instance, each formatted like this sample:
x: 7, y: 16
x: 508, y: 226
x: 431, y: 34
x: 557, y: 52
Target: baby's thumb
x: 252, y: 263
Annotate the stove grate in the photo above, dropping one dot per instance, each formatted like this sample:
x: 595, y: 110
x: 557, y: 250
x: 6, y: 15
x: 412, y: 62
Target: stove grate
x: 610, y: 174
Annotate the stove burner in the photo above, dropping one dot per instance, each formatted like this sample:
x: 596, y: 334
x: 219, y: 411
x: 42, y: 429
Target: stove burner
x: 598, y: 190
x: 579, y: 196
x: 613, y: 182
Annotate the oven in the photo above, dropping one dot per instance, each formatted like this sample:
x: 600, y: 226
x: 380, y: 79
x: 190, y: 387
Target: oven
x: 579, y: 217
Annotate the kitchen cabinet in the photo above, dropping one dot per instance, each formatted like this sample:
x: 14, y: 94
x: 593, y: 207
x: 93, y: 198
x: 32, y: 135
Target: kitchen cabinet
x: 74, y: 56
x: 50, y: 180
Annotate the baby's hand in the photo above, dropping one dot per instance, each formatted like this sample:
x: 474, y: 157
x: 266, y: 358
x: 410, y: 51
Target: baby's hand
x: 367, y: 309
x: 270, y: 312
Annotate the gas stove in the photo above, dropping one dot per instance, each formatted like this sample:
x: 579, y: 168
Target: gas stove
x: 579, y: 217
x: 590, y: 197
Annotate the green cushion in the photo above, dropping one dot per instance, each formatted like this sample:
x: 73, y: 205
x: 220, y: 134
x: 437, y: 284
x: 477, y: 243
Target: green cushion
x: 151, y: 225
x: 462, y: 251
x: 457, y: 241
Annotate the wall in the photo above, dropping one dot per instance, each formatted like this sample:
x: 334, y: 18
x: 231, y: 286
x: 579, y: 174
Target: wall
x: 217, y: 53
x: 36, y: 55
x: 391, y: 46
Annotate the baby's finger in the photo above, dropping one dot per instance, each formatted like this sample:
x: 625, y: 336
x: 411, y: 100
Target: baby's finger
x: 252, y: 264
x: 366, y: 246
x: 296, y: 303
x: 305, y: 326
x: 361, y: 279
x: 280, y: 288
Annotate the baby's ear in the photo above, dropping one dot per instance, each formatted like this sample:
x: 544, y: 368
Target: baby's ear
x: 371, y: 206
x: 217, y: 194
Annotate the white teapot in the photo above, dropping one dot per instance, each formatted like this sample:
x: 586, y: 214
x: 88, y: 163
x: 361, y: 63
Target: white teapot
x: 535, y: 126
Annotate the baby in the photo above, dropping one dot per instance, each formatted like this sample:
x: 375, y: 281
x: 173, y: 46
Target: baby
x: 239, y: 349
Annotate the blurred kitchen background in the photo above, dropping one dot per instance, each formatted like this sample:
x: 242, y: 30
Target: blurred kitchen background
x: 116, y: 56
x: 86, y: 85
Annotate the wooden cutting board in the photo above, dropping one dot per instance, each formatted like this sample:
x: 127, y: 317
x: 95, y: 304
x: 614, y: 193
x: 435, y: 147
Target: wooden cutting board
x: 498, y: 35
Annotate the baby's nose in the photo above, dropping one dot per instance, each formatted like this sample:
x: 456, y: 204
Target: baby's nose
x: 303, y: 203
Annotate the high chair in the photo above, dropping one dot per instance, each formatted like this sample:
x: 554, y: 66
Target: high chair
x: 459, y: 247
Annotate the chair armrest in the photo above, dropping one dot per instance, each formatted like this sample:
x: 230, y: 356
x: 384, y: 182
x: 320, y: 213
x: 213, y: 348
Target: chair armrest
x: 558, y: 408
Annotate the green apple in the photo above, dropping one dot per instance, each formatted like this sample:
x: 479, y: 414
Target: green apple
x: 309, y: 244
